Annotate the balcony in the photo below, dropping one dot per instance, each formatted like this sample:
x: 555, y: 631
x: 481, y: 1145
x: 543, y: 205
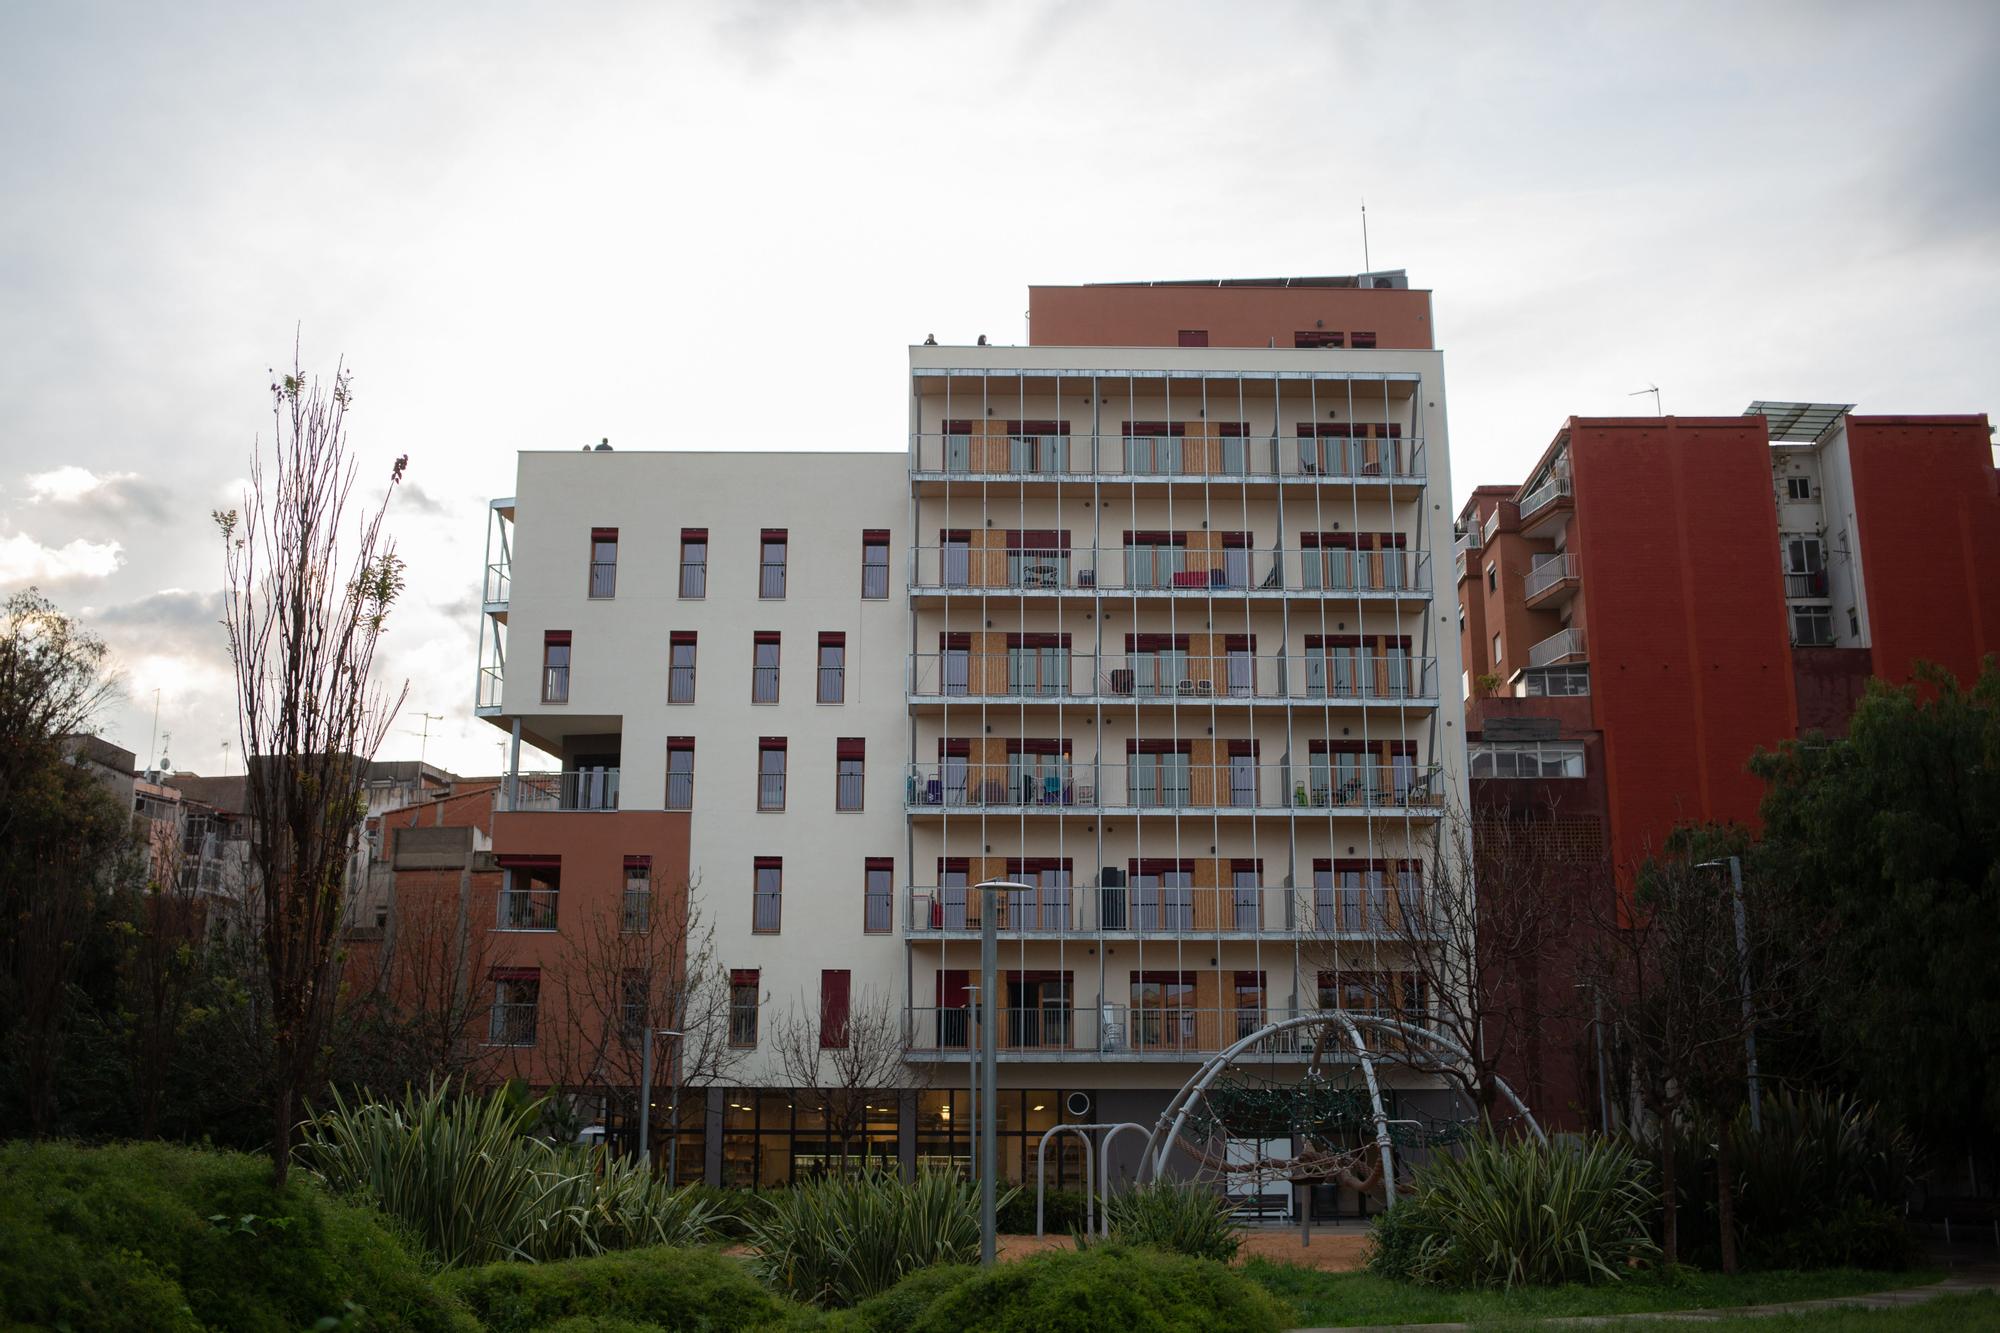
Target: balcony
x: 1552, y: 582
x: 1394, y: 463
x: 1058, y: 677
x: 1114, y: 1032
x: 527, y: 909
x: 1811, y: 585
x: 1056, y: 788
x: 963, y: 570
x: 1565, y: 646
x: 1547, y: 507
x: 496, y: 587
x: 578, y: 789
x: 511, y: 1024
x: 1162, y: 912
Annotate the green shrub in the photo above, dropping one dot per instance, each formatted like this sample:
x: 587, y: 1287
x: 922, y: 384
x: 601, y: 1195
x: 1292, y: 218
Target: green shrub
x: 839, y: 1240
x: 671, y: 1288
x: 1063, y: 1211
x: 901, y: 1308
x: 150, y: 1236
x: 1521, y: 1213
x: 1859, y: 1234
x: 1104, y: 1287
x: 1179, y: 1216
x: 467, y: 1178
x: 729, y: 1210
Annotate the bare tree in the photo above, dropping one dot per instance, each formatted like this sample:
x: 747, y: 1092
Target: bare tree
x: 837, y: 1067
x: 428, y: 984
x: 1683, y: 991
x: 645, y: 963
x: 1479, y: 933
x: 305, y: 611
x: 163, y: 960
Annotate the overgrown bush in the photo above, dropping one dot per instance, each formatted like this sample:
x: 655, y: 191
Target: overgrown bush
x: 151, y: 1237
x: 901, y: 1308
x: 1520, y: 1213
x: 1062, y: 1212
x: 729, y: 1210
x: 671, y: 1288
x: 1825, y: 1176
x: 839, y: 1240
x: 1104, y: 1287
x: 467, y: 1178
x: 1178, y: 1216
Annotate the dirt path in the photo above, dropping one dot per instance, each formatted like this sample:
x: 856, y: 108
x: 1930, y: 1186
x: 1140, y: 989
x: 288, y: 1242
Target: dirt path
x: 1332, y: 1250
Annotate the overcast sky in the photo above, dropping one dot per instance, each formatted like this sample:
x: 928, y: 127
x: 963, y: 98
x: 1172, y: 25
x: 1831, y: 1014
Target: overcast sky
x: 692, y: 226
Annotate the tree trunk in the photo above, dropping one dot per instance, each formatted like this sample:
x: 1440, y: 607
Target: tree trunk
x: 281, y: 1126
x: 1725, y: 1197
x: 1670, y: 1219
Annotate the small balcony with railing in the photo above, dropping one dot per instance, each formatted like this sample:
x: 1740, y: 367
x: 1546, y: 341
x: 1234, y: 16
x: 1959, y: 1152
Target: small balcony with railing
x: 1153, y: 911
x: 1807, y: 585
x: 528, y: 904
x: 573, y: 789
x: 1167, y: 571
x: 1058, y: 677
x: 1120, y: 1032
x: 496, y: 582
x: 1371, y: 457
x: 1562, y: 647
x: 1547, y: 507
x: 1551, y: 582
x: 1053, y: 787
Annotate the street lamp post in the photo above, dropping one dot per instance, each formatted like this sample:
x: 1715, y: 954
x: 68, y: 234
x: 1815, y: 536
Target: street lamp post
x: 1735, y: 864
x: 989, y: 962
x: 646, y: 1097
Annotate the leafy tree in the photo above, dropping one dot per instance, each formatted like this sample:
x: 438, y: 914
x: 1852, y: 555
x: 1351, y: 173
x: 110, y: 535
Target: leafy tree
x: 1893, y: 834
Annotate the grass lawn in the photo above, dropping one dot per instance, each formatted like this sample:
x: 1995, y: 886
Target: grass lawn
x: 1336, y: 1299
x: 1946, y: 1312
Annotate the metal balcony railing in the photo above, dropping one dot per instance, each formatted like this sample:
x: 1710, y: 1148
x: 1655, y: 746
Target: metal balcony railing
x: 1131, y: 1031
x: 512, y: 1025
x: 637, y: 917
x: 1028, y: 674
x: 579, y: 789
x: 1165, y: 911
x: 1197, y: 457
x: 1811, y: 584
x: 1548, y: 573
x: 1235, y: 571
x: 604, y: 578
x: 527, y: 909
x: 1543, y: 496
x: 1052, y: 786
x: 1556, y: 648
x: 498, y: 585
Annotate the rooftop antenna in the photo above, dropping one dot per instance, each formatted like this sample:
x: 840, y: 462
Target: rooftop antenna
x: 423, y: 746
x: 1366, y: 266
x: 1653, y: 389
x: 152, y: 745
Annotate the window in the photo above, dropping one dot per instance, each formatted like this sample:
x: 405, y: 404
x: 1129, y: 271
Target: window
x: 694, y: 562
x: 850, y: 756
x: 1158, y: 560
x: 634, y: 1002
x: 1798, y: 488
x: 1812, y: 626
x: 516, y: 997
x: 1805, y: 567
x: 555, y: 667
x: 1194, y: 337
x: 1493, y: 578
x: 603, y: 562
x: 680, y: 772
x: 771, y: 773
x: 680, y: 667
x: 832, y: 667
x: 1495, y: 661
x: 878, y: 895
x: 1356, y: 992
x: 1318, y: 338
x: 530, y: 889
x: 1163, y: 1008
x: 835, y: 986
x: 1037, y: 557
x: 875, y: 564
x: 771, y: 563
x: 768, y: 896
x: 1527, y: 759
x: 743, y: 1006
x: 1365, y: 897
x: 1362, y: 338
x: 638, y: 914
x: 1161, y: 894
x: 764, y: 667
x: 1556, y: 680
x: 1160, y: 772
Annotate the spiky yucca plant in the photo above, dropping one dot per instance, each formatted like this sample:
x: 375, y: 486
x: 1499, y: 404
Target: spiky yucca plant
x: 838, y: 1240
x: 1179, y: 1216
x: 467, y: 1178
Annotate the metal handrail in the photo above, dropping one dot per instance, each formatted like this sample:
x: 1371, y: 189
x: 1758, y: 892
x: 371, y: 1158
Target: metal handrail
x: 1170, y: 570
x: 1543, y: 496
x: 1031, y: 673
x: 1050, y: 786
x: 1548, y: 573
x: 1203, y: 457
x: 574, y: 789
x: 1563, y: 643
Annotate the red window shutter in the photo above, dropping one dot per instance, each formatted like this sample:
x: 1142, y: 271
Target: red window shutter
x: 1160, y: 865
x: 1194, y: 337
x: 638, y: 863
x: 834, y: 985
x: 681, y: 638
x: 604, y: 534
x: 680, y: 742
x: 531, y: 861
x: 832, y: 638
x: 851, y: 747
x: 1252, y: 864
x: 744, y: 976
x: 875, y: 536
x: 764, y: 636
x: 694, y: 534
x: 772, y: 535
x: 516, y: 974
x: 555, y: 636
x: 1239, y: 748
x: 771, y: 742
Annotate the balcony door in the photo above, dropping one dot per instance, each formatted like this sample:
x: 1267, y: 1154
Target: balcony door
x: 1163, y: 898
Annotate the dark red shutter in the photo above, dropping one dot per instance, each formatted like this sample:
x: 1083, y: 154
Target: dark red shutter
x: 834, y: 985
x: 851, y: 747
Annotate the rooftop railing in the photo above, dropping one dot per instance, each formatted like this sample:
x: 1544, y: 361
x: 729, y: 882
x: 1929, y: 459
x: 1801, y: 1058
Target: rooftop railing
x: 1543, y: 496
x: 579, y: 789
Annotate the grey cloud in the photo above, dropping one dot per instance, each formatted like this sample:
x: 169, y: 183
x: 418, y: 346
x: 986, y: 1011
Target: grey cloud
x: 413, y: 496
x: 174, y: 622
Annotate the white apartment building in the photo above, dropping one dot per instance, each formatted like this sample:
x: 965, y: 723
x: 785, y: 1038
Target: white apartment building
x: 1149, y: 629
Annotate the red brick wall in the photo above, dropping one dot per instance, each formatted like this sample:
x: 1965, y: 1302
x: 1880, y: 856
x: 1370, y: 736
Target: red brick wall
x: 1232, y: 316
x: 1676, y: 533
x: 1829, y: 682
x: 1927, y: 499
